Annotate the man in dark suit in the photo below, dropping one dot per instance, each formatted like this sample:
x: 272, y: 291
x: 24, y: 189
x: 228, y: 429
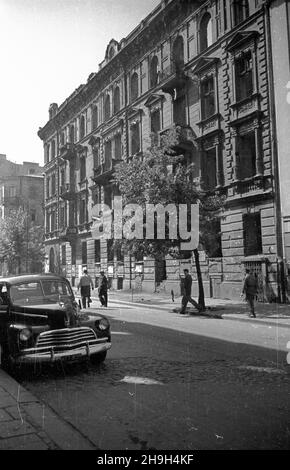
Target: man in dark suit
x: 103, y: 290
x: 250, y: 289
x: 187, y: 283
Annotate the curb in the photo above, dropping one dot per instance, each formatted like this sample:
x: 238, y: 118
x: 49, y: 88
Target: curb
x: 213, y: 315
x: 34, y: 425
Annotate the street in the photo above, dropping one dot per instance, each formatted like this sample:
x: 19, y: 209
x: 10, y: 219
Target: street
x: 164, y: 388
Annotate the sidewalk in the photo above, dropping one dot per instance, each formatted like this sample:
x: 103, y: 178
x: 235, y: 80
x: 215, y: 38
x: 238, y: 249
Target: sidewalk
x: 28, y: 424
x: 272, y: 314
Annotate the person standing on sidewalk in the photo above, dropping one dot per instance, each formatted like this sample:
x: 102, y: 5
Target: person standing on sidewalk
x: 250, y: 288
x: 187, y: 283
x: 85, y: 285
x: 103, y: 290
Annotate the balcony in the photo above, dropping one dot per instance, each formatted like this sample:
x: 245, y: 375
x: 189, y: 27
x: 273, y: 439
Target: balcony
x: 104, y: 171
x: 180, y: 137
x: 67, y: 151
x: 68, y: 233
x: 256, y: 187
x: 67, y: 191
x: 172, y: 77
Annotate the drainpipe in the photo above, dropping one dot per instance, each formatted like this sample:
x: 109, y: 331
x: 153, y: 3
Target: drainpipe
x: 274, y: 152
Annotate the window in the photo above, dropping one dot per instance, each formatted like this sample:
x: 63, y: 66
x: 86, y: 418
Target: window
x: 252, y: 234
x: 32, y: 171
x: 47, y: 186
x: 62, y: 178
x: 154, y: 72
x: 33, y: 215
x: 134, y: 87
x: 97, y: 251
x: 240, y: 11
x: 225, y: 15
x: 107, y: 110
x: 244, y: 76
x: 53, y: 186
x: 82, y: 168
x: 246, y: 149
x: 178, y: 51
x: 62, y: 138
x: 53, y: 221
x: 108, y: 193
x: 117, y: 99
x: 135, y: 138
x: 120, y: 253
x: 205, y: 34
x: 84, y: 252
x: 47, y: 153
x: 83, y: 211
x: 108, y: 155
x: 72, y: 134
x: 209, y: 177
x: 155, y: 125
x: 110, y: 250
x: 11, y: 191
x: 96, y: 154
x: 61, y: 217
x: 63, y: 255
x: 118, y: 147
x: 52, y: 148
x: 95, y: 119
x: 82, y: 127
x: 179, y: 110
x: 207, y: 98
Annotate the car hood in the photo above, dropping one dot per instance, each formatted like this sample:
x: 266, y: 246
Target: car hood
x: 54, y: 315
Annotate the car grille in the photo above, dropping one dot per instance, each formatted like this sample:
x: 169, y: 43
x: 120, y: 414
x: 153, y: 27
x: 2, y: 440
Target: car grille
x: 65, y: 339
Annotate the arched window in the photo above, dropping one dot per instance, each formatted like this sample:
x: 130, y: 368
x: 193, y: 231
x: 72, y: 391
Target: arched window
x: 205, y: 34
x: 178, y: 51
x: 82, y: 127
x: 72, y: 134
x: 111, y: 53
x: 95, y: 120
x: 107, y: 110
x: 154, y: 72
x: 117, y: 99
x: 134, y: 87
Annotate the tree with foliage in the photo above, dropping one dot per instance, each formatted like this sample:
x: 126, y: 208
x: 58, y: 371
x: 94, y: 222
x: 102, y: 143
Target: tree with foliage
x: 21, y: 243
x: 161, y: 176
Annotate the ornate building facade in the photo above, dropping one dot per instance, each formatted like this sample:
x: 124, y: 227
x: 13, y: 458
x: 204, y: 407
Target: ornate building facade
x: 201, y: 65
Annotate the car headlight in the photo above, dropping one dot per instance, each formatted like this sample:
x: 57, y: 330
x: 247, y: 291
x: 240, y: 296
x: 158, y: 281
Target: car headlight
x: 102, y: 324
x: 25, y: 334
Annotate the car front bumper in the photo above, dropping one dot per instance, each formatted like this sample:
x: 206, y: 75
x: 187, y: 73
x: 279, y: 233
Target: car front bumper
x: 69, y: 355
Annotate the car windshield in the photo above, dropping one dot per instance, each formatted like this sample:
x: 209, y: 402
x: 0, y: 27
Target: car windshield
x: 40, y: 292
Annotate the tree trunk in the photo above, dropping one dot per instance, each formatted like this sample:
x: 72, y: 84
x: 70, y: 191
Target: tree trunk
x: 199, y: 279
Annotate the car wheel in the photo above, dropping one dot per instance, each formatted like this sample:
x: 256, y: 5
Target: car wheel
x: 98, y: 358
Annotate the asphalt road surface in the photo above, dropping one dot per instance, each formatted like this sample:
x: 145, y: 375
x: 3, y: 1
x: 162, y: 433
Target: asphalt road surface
x: 165, y: 389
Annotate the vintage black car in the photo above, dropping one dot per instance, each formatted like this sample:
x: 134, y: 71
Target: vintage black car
x: 40, y: 321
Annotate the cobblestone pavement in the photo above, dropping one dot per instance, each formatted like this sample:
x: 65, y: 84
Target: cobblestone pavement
x: 162, y: 390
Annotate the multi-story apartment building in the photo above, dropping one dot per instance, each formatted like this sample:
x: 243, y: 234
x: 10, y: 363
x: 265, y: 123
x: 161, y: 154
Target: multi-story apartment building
x: 202, y: 65
x: 21, y: 186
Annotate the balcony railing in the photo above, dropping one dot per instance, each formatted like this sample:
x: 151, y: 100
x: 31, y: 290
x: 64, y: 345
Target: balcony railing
x: 180, y: 137
x: 255, y: 186
x: 68, y: 233
x: 172, y: 76
x: 105, y: 170
x: 67, y: 191
x: 67, y: 151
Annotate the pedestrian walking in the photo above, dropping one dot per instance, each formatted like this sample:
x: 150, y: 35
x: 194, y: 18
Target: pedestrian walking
x: 103, y: 290
x: 85, y: 285
x: 250, y: 289
x: 186, y: 291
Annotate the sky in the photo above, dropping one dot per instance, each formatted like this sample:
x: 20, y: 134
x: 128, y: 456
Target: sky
x: 47, y: 49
